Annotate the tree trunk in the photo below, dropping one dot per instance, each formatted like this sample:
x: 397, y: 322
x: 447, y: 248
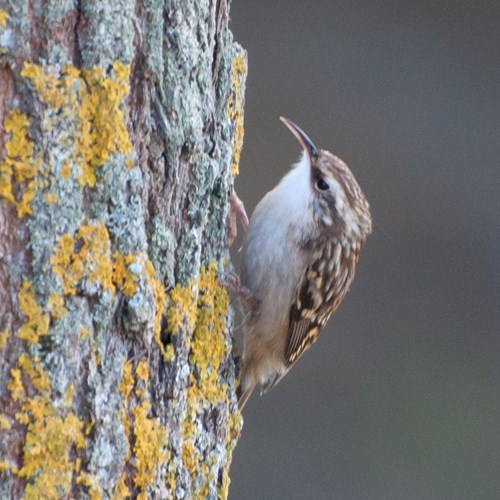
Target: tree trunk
x: 120, y: 139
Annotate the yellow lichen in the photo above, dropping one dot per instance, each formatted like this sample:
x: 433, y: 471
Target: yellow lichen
x: 233, y: 433
x: 4, y: 337
x: 91, y: 482
x: 51, y: 198
x: 3, y: 18
x: 190, y: 458
x: 168, y: 353
x: 91, y: 100
x: 4, y: 465
x: 208, y: 349
x: 235, y: 108
x: 127, y: 382
x: 20, y: 165
x: 160, y: 298
x: 34, y: 370
x: 126, y: 386
x: 208, y: 345
x: 65, y: 171
x: 142, y: 371
x: 4, y: 423
x: 149, y: 448
x: 149, y: 436
x: 37, y: 323
x: 182, y: 310
x: 83, y: 333
x: 86, y: 256
x: 52, y: 434
x: 68, y: 396
x: 49, y: 442
x: 56, y: 306
x: 125, y: 279
x: 15, y: 384
x: 121, y: 489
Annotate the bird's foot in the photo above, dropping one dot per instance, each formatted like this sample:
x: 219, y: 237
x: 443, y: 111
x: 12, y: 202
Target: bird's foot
x: 247, y: 298
x: 236, y: 211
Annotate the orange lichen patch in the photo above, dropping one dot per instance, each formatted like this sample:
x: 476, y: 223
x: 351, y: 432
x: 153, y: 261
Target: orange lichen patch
x: 86, y: 256
x: 19, y: 165
x: 37, y: 322
x: 235, y: 108
x: 56, y: 306
x: 91, y: 100
x: 4, y: 337
x: 125, y: 279
x: 149, y: 448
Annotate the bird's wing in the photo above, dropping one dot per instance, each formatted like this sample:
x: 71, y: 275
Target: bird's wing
x: 308, y: 314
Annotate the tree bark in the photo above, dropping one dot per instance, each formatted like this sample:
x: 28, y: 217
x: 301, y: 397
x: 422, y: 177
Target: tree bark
x: 122, y: 123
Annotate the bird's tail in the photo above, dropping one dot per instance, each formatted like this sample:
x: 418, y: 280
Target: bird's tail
x: 246, y: 387
x: 243, y: 396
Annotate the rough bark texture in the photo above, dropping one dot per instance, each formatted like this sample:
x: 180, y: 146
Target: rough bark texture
x: 121, y: 131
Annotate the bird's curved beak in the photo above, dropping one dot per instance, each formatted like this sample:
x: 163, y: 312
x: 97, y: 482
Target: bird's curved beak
x: 306, y: 143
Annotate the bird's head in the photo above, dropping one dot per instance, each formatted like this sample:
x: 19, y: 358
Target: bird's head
x: 337, y: 201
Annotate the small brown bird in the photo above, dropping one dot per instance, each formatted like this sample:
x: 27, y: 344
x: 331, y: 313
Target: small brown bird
x: 299, y: 257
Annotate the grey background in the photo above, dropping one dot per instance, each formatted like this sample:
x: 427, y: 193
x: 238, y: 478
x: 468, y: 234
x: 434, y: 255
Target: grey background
x: 400, y: 397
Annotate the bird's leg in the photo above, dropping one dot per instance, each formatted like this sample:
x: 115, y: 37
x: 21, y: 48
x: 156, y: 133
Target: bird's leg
x: 237, y: 211
x: 248, y: 300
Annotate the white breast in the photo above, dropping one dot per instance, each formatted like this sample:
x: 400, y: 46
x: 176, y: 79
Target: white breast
x: 272, y: 259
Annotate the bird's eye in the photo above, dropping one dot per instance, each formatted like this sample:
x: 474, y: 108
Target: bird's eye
x: 322, y: 185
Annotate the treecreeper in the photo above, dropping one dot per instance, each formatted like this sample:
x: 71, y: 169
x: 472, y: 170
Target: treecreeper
x: 299, y: 257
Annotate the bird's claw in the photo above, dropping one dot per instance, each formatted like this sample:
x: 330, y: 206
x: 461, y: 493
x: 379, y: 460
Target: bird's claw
x: 237, y: 211
x: 247, y: 299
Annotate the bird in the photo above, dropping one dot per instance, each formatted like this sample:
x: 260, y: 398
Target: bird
x: 299, y: 256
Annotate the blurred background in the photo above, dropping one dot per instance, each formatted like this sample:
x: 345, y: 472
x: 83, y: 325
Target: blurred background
x: 400, y: 396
